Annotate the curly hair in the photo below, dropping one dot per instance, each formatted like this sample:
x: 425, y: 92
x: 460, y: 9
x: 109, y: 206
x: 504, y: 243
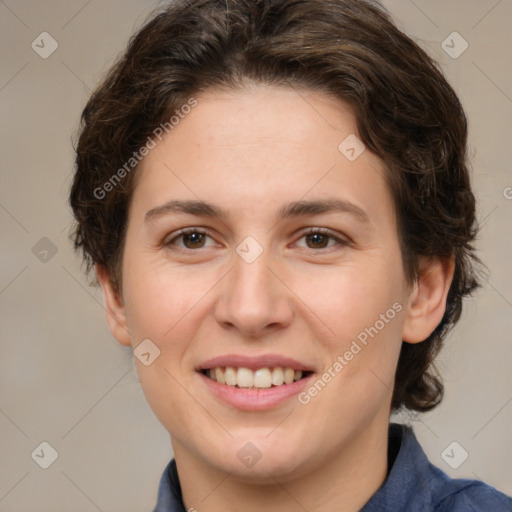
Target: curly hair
x: 406, y: 113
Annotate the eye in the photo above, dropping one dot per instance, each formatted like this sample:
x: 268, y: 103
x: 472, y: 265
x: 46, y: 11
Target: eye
x: 193, y: 238
x: 319, y: 238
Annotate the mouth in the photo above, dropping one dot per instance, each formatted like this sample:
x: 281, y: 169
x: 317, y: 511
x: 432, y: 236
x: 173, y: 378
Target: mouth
x: 254, y: 383
x: 260, y: 378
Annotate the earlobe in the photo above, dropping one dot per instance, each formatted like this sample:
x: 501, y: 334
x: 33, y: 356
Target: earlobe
x: 115, y: 310
x: 427, y: 301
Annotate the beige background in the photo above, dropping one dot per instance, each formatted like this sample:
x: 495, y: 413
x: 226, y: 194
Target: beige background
x: 64, y: 380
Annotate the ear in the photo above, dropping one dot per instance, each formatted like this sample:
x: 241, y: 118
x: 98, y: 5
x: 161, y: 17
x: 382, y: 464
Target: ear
x: 427, y: 302
x: 114, y: 306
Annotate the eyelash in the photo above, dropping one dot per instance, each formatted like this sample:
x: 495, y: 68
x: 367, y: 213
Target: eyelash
x: 311, y: 231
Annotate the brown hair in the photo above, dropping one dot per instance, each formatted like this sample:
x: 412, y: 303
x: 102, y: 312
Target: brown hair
x: 406, y: 113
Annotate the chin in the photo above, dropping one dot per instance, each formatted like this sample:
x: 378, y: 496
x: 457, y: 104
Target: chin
x: 263, y: 461
x: 268, y: 472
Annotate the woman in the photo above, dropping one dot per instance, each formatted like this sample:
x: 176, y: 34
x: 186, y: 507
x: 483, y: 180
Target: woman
x: 275, y: 198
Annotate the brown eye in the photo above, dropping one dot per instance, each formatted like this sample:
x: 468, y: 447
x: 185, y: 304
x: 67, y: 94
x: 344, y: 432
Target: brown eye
x: 191, y: 239
x: 194, y: 239
x: 317, y: 238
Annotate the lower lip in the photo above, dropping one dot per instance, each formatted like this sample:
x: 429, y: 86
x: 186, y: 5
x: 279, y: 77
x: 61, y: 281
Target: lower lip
x: 255, y: 399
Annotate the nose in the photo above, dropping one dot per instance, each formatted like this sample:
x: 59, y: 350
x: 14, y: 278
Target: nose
x: 254, y: 300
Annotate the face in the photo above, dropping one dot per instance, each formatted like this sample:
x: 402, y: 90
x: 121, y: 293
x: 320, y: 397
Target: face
x: 277, y: 286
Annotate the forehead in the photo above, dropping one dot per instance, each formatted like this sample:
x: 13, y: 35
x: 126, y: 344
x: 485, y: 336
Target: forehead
x: 262, y: 114
x: 248, y: 146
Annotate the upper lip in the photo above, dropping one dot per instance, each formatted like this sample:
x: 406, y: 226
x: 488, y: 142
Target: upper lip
x: 254, y: 362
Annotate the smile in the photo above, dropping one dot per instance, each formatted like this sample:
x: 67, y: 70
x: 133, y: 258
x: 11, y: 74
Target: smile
x: 254, y: 383
x: 261, y: 378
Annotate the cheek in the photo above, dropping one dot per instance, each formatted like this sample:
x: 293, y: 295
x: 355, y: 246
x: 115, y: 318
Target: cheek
x: 360, y: 365
x: 158, y: 296
x: 363, y: 307
x: 351, y: 301
x: 160, y: 302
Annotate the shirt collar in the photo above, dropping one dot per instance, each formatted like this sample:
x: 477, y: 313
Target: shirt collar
x: 409, y: 479
x: 169, y: 491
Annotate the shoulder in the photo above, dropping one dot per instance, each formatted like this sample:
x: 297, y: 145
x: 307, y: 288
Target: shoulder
x: 464, y: 495
x: 415, y: 483
x: 461, y: 495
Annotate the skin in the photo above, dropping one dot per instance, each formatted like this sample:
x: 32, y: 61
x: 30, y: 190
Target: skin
x: 250, y: 152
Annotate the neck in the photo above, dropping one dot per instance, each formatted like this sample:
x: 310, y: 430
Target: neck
x: 345, y: 482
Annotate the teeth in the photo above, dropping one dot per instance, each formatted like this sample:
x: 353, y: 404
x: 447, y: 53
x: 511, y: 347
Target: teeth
x: 278, y: 376
x: 230, y: 376
x: 219, y: 376
x: 289, y: 375
x: 261, y: 378
x: 245, y: 378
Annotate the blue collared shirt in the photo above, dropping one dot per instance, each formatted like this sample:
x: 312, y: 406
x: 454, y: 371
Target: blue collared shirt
x: 413, y: 485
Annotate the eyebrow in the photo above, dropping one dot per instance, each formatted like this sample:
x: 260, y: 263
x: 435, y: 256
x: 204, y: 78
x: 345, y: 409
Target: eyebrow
x: 294, y: 209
